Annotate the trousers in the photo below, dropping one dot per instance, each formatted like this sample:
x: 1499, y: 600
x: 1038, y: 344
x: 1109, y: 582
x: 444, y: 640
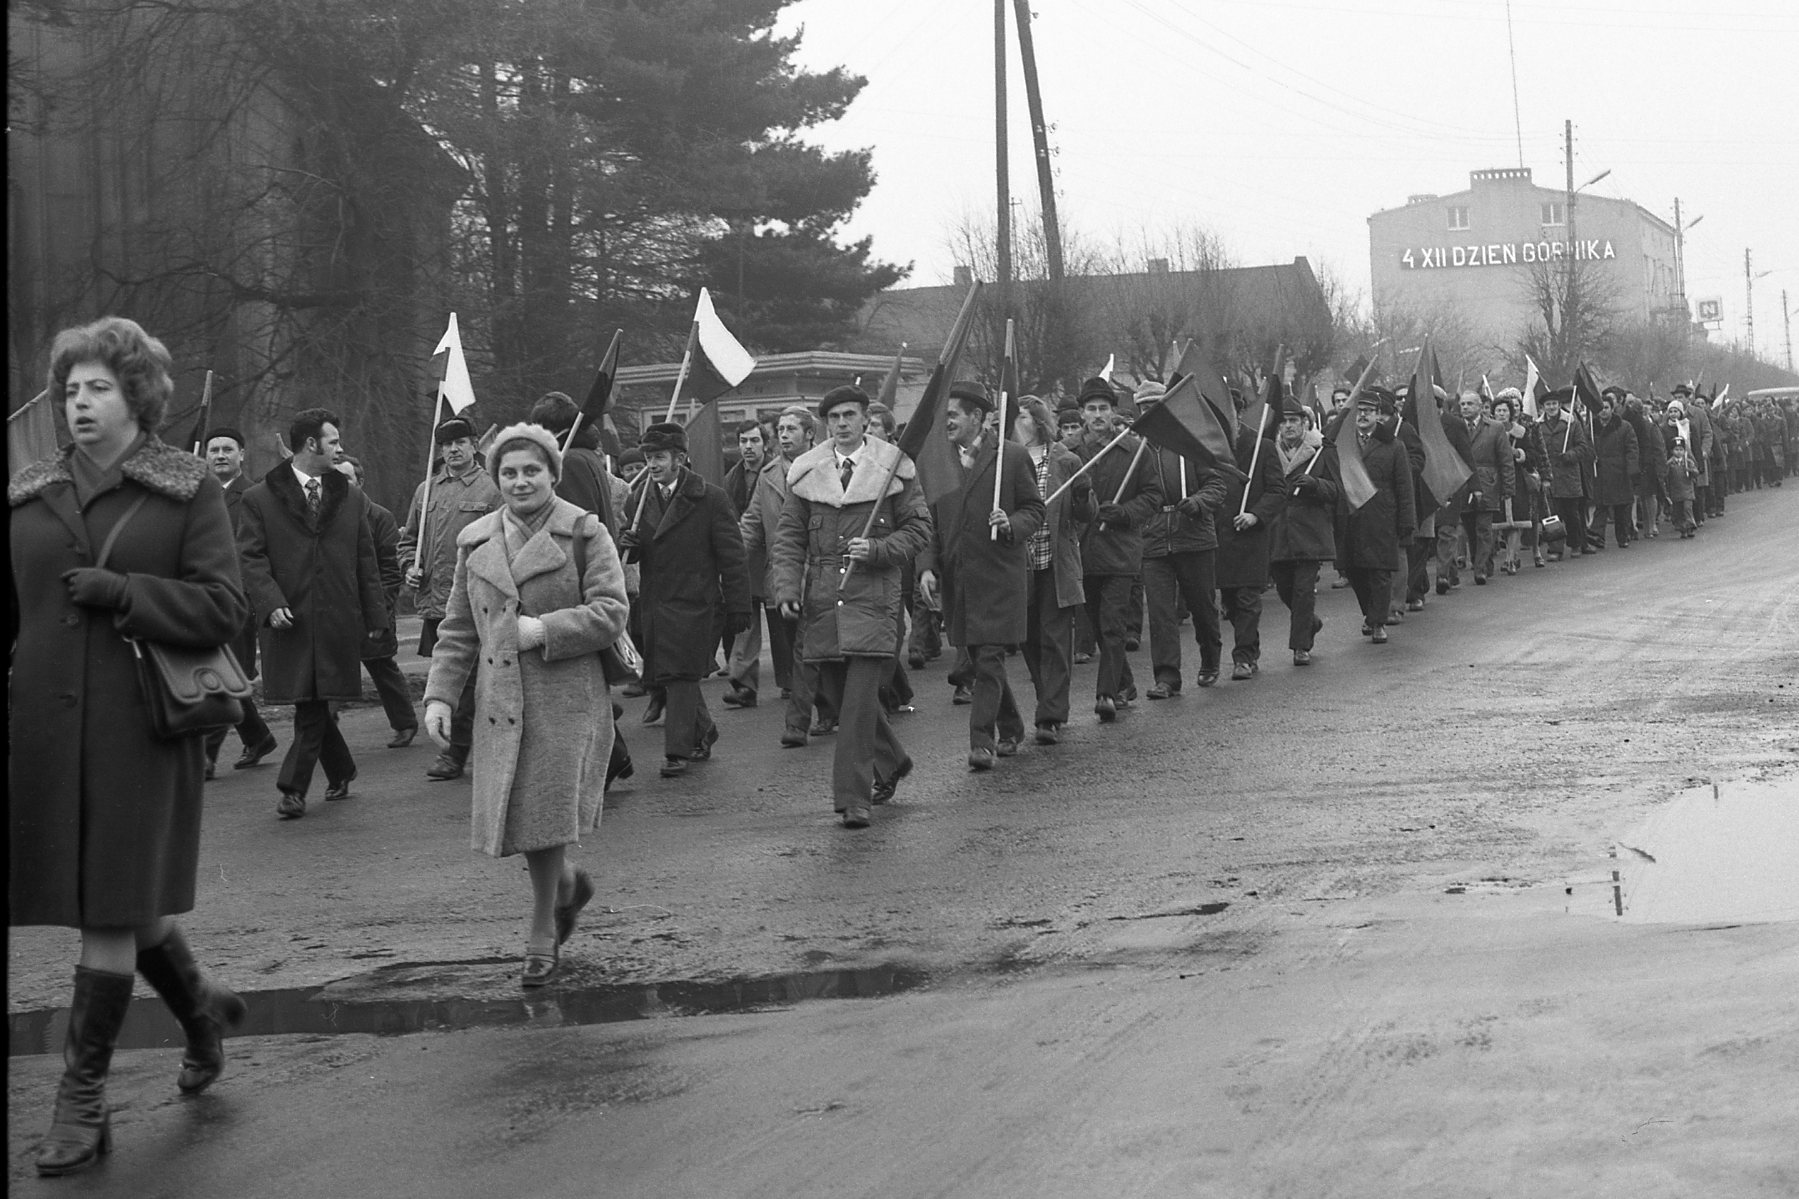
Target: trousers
x: 866, y: 744
x: 317, y: 742
x: 1243, y: 608
x: 1049, y: 648
x: 1190, y: 577
x: 251, y: 730
x: 1372, y: 587
x: 396, y: 697
x: 995, y: 710
x: 1295, y: 582
x: 1108, y: 606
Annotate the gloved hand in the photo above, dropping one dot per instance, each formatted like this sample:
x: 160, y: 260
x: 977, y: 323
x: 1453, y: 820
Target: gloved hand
x: 1193, y: 506
x: 737, y: 623
x: 94, y: 587
x: 628, y: 546
x: 437, y: 722
x: 531, y: 633
x: 1114, y: 516
x: 1303, y: 485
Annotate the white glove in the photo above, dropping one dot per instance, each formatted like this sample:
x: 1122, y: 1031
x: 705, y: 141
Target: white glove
x: 437, y: 722
x: 530, y: 632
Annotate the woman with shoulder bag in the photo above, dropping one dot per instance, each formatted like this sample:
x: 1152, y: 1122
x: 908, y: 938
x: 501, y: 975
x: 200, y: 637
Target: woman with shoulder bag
x: 538, y: 594
x: 104, y: 813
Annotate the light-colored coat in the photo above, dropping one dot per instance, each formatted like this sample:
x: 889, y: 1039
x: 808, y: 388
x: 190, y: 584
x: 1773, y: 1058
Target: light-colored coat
x: 543, y: 718
x: 456, y: 503
x: 820, y: 518
x: 758, y: 523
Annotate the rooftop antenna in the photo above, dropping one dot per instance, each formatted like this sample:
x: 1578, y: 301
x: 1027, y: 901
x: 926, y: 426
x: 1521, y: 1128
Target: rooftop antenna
x: 1517, y: 123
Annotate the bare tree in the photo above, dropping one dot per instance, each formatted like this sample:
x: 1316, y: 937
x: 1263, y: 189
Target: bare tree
x: 1575, y: 312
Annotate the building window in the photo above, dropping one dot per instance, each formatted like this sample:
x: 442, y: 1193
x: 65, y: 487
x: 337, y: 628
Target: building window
x: 1554, y: 213
x: 1458, y: 216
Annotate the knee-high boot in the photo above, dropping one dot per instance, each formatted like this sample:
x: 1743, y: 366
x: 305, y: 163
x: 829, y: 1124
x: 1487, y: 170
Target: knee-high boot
x: 203, y: 1009
x: 81, y: 1131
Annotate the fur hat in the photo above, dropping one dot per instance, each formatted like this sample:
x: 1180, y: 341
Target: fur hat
x: 1097, y: 388
x: 454, y: 429
x: 1149, y: 392
x: 972, y: 393
x: 534, y: 435
x: 842, y: 395
x: 663, y: 436
x: 1561, y: 395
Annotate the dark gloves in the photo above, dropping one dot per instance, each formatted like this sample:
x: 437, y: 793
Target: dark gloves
x: 737, y: 623
x: 92, y: 587
x: 628, y: 547
x: 1193, y: 506
x: 1302, y: 485
x: 1114, y: 516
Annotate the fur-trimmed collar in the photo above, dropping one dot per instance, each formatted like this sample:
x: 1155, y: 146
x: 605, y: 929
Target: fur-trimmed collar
x: 156, y: 465
x: 563, y: 520
x: 813, y: 476
x: 284, y: 485
x: 485, y: 542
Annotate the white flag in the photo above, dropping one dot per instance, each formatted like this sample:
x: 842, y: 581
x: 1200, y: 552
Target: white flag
x: 1105, y: 372
x: 723, y: 355
x: 1531, y: 376
x: 451, y: 369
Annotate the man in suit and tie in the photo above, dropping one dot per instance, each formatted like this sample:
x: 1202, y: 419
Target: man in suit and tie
x: 225, y: 455
x: 313, y: 578
x: 1487, y: 449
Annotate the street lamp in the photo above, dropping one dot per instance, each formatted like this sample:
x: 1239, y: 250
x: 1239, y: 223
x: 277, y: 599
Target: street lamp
x: 1680, y: 259
x: 1749, y: 279
x: 1572, y: 193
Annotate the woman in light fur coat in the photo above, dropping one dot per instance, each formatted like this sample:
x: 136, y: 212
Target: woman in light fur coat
x: 538, y: 593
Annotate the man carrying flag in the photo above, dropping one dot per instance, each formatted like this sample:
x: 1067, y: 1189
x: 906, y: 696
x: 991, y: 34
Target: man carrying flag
x: 1112, y: 548
x: 1570, y: 455
x: 1304, y: 534
x: 1383, y: 521
x: 1242, y: 524
x: 984, y: 577
x: 1180, y: 560
x: 460, y: 493
x: 854, y: 514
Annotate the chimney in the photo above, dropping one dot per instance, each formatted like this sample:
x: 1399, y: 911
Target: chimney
x: 964, y: 276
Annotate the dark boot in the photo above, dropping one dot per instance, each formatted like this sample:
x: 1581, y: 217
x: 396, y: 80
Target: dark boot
x: 203, y: 1009
x: 81, y: 1131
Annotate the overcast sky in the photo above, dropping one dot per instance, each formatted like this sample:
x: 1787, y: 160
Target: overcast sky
x: 1281, y: 125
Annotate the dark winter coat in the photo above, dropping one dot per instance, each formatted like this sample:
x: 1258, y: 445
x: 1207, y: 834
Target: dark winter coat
x: 1570, y: 453
x: 1171, y: 531
x: 326, y: 573
x: 860, y: 618
x: 1118, y: 549
x: 244, y: 644
x: 693, y: 577
x: 740, y: 489
x: 1683, y: 473
x: 1304, y: 529
x: 1488, y: 452
x: 1068, y: 516
x: 587, y: 484
x: 1652, y: 460
x: 386, y: 531
x: 1378, y: 528
x: 1615, y: 462
x: 105, y: 818
x: 1243, y: 556
x: 986, y: 582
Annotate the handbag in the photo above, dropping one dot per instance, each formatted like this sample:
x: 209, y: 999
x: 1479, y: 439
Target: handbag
x: 187, y: 691
x: 1553, y: 530
x: 620, y: 661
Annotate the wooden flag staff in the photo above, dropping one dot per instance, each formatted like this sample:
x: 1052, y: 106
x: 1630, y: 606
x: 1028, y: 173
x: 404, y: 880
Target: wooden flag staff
x: 1086, y: 466
x: 1125, y: 482
x: 205, y: 416
x: 999, y: 442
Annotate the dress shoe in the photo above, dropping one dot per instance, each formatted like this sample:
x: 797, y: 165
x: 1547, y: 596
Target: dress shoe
x: 1479, y: 580
x: 1132, y: 644
x: 962, y: 696
x: 915, y: 660
x: 1162, y: 691
x: 1207, y: 678
x: 740, y: 697
x: 1241, y: 671
x: 1049, y: 734
x: 704, y: 751
x: 1106, y: 709
x: 1341, y: 582
x: 674, y: 768
x: 212, y: 770
x: 824, y: 728
x: 634, y: 690
x: 884, y: 788
x: 793, y: 739
x: 1442, y: 584
x: 1082, y: 659
x: 568, y: 913
x: 653, y: 712
x: 1127, y: 696
x: 403, y: 737
x: 448, y: 765
x: 340, y: 790
x: 1367, y: 630
x: 1380, y: 636
x: 1302, y: 657
x: 1007, y: 747
x: 541, y: 966
x: 1395, y: 618
x: 855, y: 817
x: 291, y: 806
x: 980, y: 758
x: 1417, y: 605
x: 255, y: 753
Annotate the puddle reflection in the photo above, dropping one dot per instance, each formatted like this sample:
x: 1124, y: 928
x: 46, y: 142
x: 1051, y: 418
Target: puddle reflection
x: 148, y: 1024
x: 1724, y: 853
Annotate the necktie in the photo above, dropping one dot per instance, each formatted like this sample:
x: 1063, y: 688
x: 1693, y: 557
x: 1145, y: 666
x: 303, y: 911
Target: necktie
x: 843, y: 476
x: 1473, y: 428
x: 312, y: 497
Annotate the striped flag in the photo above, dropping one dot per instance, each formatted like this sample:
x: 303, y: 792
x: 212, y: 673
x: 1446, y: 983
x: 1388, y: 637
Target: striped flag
x: 450, y: 369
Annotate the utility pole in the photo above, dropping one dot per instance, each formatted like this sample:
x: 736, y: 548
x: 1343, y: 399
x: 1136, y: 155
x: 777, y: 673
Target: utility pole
x: 1004, y: 231
x: 1680, y: 258
x: 1568, y: 153
x: 1052, y: 231
x: 1787, y: 320
x: 1749, y: 300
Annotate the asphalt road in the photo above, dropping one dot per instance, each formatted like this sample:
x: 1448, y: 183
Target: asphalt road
x: 1332, y: 931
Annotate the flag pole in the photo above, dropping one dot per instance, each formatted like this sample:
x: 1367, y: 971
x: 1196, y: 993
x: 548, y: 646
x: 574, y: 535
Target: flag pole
x: 693, y: 335
x: 425, y: 499
x: 1125, y: 482
x: 205, y: 414
x: 1086, y: 466
x: 28, y: 405
x: 999, y: 441
x: 569, y: 438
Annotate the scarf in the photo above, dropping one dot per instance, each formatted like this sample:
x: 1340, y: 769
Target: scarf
x: 520, y: 530
x: 92, y: 479
x: 1310, y: 442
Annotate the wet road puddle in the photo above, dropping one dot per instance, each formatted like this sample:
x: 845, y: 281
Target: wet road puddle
x: 1725, y: 853
x: 148, y: 1024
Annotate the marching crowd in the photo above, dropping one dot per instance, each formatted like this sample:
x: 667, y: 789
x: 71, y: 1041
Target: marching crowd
x: 546, y: 582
